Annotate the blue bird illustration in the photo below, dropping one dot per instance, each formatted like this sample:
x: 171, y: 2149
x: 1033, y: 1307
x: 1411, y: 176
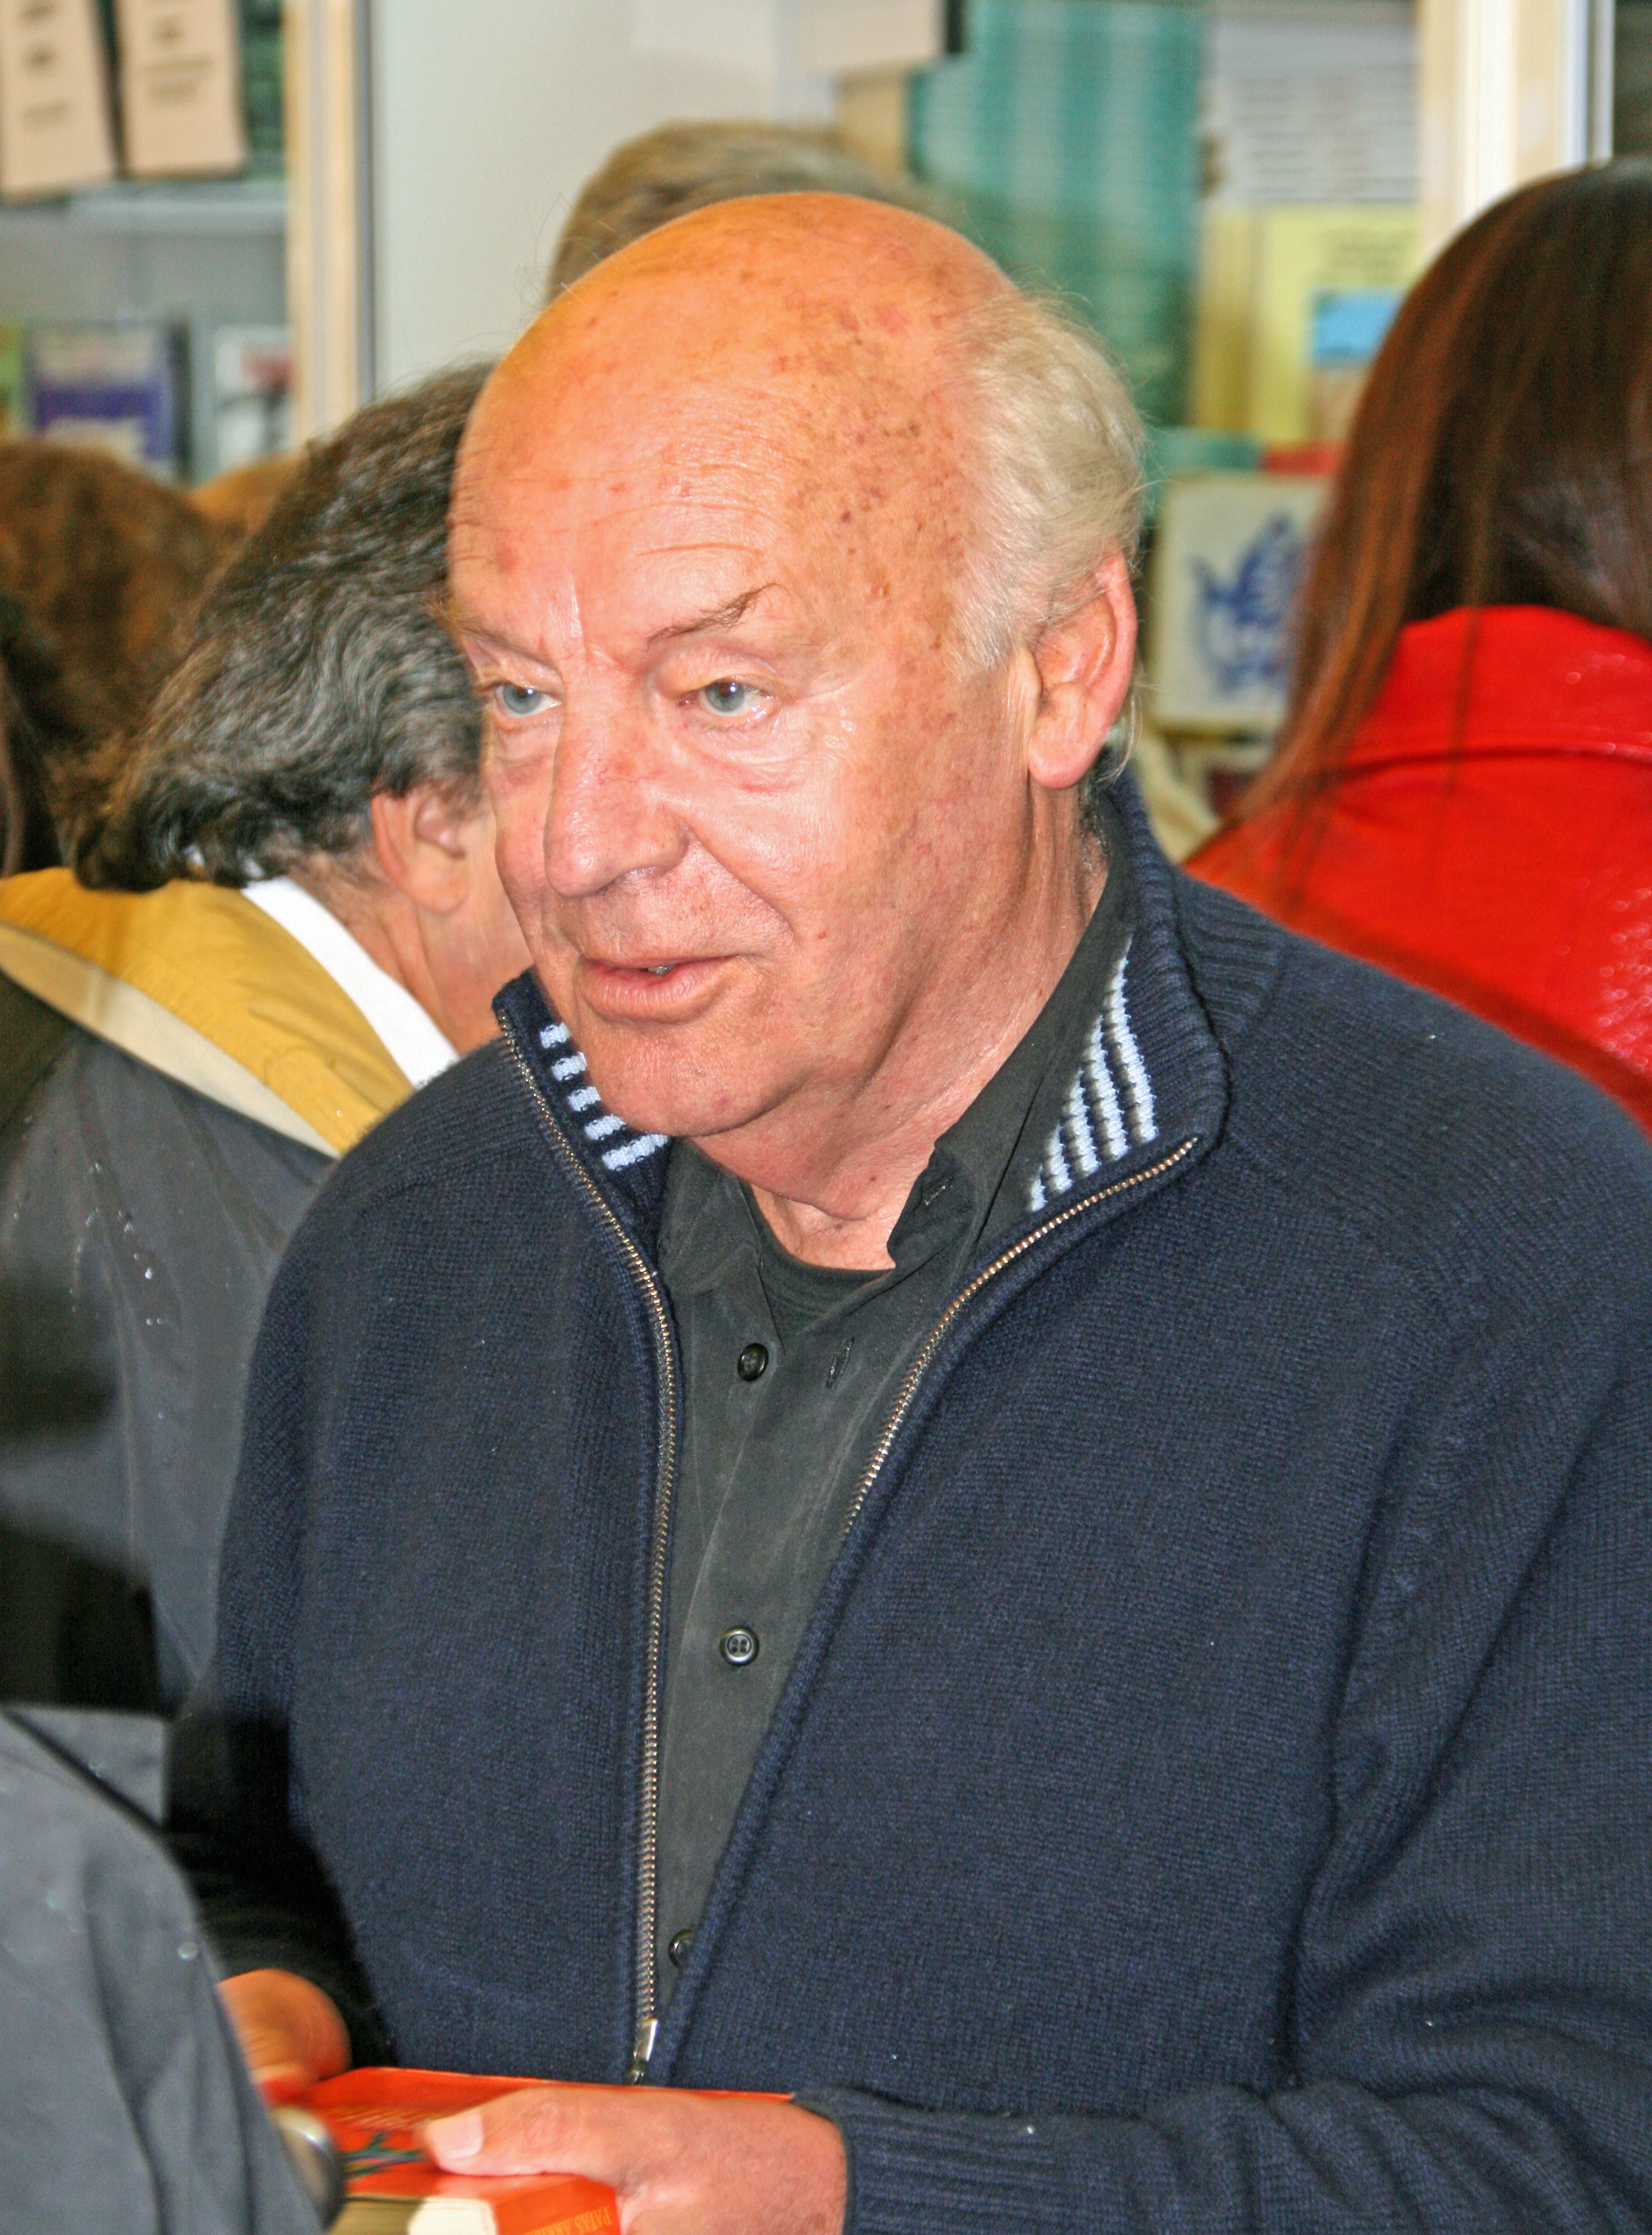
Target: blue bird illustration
x: 1241, y: 624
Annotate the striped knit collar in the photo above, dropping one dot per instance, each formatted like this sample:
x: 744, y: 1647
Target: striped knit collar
x: 1103, y: 1101
x: 627, y: 1165
x: 1146, y: 1073
x: 1109, y: 1108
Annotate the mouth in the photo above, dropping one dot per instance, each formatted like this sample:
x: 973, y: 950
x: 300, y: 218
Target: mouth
x: 627, y: 967
x: 648, y: 986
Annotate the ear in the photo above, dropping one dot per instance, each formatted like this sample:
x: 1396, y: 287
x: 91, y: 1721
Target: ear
x: 426, y: 840
x: 1083, y: 663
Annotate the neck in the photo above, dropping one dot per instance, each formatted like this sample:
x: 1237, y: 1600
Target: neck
x: 833, y: 1180
x: 378, y: 918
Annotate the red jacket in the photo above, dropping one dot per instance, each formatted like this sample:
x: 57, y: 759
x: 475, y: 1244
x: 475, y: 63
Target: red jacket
x: 1508, y: 865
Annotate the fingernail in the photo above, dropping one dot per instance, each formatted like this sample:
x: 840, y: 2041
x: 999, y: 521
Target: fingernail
x: 458, y: 2137
x: 279, y: 2083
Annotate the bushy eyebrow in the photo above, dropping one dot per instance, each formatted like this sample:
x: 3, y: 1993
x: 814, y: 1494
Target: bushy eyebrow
x: 448, y: 614
x: 720, y: 617
x: 445, y: 609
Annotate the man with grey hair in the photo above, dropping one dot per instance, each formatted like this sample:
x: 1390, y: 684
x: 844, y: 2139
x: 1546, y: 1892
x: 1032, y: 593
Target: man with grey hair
x: 963, y: 1483
x: 297, y: 920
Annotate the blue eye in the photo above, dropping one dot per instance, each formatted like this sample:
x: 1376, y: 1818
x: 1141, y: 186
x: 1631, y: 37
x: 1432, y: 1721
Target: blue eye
x: 726, y: 696
x: 520, y: 700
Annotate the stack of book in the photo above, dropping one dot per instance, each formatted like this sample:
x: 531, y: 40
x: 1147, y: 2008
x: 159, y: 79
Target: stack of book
x: 150, y: 89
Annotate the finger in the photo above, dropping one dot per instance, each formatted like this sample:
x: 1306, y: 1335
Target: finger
x: 270, y: 2050
x: 279, y: 2083
x: 284, y: 2025
x: 596, y: 2132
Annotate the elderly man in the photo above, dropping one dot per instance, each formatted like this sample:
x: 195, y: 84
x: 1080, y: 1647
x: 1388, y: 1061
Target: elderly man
x: 963, y: 1482
x: 184, y: 1062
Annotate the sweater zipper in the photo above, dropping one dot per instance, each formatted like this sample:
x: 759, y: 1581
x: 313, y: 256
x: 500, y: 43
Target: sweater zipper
x: 647, y: 2025
x: 938, y: 1334
x: 647, y: 2022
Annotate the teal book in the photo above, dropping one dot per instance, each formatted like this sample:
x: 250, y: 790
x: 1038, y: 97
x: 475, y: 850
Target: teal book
x: 1066, y: 135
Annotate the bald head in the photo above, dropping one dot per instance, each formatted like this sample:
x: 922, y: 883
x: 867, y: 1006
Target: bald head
x: 814, y: 340
x: 797, y: 293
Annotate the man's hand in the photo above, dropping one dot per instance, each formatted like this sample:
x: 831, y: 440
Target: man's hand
x: 680, y: 2163
x: 290, y: 2033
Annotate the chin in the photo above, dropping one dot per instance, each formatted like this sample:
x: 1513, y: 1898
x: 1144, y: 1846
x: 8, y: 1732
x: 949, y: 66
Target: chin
x: 677, y: 1089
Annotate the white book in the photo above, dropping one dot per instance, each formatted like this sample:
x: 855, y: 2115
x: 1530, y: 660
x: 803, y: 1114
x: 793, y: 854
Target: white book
x: 181, y: 88
x: 251, y: 394
x: 54, y: 131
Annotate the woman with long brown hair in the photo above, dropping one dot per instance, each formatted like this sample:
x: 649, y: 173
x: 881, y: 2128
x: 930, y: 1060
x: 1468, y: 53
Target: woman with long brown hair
x: 1464, y: 792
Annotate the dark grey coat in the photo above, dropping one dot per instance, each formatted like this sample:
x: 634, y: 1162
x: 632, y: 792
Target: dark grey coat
x: 124, y: 2107
x: 140, y: 1225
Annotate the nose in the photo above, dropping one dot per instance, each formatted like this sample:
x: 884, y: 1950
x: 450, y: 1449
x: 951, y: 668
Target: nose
x: 607, y: 816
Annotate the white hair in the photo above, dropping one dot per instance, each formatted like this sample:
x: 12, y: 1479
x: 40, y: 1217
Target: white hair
x: 1059, y: 457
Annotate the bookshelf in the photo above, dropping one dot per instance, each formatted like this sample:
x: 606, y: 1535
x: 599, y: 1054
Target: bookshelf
x: 194, y: 259
x: 431, y: 152
x: 202, y: 256
x: 182, y: 209
x: 1236, y: 194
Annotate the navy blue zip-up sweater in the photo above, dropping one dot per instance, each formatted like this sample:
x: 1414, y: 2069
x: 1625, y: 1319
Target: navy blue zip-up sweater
x: 1215, y: 1792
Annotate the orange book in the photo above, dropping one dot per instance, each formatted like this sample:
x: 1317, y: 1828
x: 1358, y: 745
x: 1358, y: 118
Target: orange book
x: 374, y: 2115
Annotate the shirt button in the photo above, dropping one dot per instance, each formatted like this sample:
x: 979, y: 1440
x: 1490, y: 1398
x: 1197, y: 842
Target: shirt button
x: 737, y: 1647
x: 752, y: 1363
x: 679, y: 1945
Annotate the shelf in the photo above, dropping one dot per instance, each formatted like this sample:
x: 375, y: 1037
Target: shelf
x: 178, y: 207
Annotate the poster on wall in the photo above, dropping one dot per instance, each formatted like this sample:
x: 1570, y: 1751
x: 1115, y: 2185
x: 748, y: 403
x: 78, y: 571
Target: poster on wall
x: 54, y: 131
x: 181, y: 88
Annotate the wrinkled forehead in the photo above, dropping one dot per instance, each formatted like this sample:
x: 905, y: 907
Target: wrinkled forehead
x: 597, y: 470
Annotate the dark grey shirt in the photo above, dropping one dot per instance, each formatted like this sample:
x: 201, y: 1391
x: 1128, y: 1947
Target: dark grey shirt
x: 790, y: 1371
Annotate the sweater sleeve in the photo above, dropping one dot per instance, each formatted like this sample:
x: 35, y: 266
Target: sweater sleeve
x: 235, y: 1819
x: 1471, y: 2032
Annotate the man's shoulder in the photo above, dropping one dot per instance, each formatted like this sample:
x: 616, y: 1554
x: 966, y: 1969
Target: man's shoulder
x: 463, y: 1123
x: 457, y: 1206
x: 1436, y: 1134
